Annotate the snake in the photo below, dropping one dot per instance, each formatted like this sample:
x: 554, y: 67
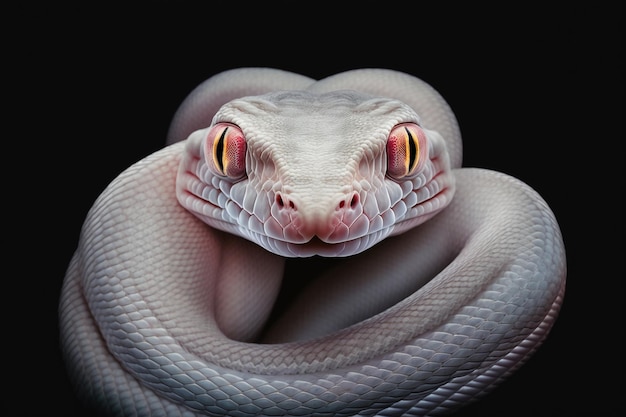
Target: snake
x: 308, y: 247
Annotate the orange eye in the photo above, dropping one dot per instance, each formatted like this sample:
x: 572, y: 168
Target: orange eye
x: 225, y: 148
x: 405, y: 150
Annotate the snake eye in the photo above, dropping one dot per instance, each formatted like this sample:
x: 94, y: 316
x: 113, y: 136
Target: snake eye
x: 225, y: 150
x: 406, y: 148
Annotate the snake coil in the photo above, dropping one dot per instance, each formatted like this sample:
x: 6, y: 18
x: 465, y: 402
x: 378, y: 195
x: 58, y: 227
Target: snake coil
x: 161, y: 314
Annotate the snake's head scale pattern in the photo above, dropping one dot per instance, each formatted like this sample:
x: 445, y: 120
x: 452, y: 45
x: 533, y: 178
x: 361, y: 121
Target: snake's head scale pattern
x: 281, y: 171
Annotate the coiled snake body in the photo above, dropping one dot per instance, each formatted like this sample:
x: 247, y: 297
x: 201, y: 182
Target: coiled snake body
x: 443, y: 279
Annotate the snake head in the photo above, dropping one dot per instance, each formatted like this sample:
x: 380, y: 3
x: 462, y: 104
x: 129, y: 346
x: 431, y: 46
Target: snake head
x: 305, y: 174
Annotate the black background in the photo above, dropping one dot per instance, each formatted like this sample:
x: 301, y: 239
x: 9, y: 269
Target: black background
x: 537, y: 92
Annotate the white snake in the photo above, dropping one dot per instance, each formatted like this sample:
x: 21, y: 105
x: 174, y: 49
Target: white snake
x: 164, y: 315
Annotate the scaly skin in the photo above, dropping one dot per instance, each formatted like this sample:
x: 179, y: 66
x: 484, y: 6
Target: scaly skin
x: 162, y: 314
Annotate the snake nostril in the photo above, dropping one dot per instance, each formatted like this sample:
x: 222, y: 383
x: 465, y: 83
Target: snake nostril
x: 281, y: 202
x: 354, y: 201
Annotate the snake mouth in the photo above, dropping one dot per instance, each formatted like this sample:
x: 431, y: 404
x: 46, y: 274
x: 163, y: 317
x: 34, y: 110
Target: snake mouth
x: 317, y: 247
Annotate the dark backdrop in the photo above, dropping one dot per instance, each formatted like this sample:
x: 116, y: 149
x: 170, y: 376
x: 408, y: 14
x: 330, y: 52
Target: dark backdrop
x: 538, y: 94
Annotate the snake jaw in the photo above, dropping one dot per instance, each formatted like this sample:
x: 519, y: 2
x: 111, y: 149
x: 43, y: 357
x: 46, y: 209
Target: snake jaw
x: 350, y: 230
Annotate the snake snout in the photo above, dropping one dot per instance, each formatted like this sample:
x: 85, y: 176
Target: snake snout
x: 326, y: 219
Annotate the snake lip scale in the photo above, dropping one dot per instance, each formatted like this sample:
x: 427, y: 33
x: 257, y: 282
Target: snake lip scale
x: 442, y: 280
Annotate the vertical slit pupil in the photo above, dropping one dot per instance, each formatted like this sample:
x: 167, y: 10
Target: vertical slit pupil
x: 412, y: 149
x: 219, y: 150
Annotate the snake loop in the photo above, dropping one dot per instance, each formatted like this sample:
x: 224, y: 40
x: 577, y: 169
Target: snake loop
x: 442, y: 280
